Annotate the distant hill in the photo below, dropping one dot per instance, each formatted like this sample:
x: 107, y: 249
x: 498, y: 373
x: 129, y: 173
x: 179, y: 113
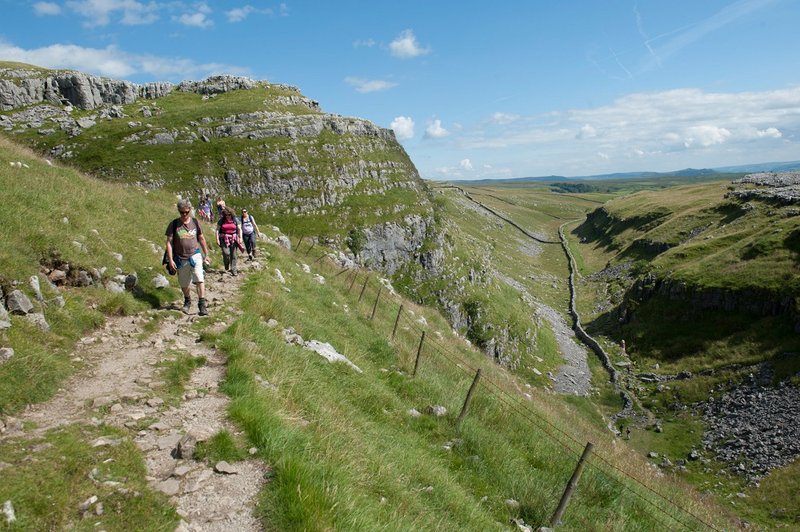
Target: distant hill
x: 686, y: 172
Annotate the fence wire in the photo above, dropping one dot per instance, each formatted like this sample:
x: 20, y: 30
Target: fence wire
x: 512, y: 402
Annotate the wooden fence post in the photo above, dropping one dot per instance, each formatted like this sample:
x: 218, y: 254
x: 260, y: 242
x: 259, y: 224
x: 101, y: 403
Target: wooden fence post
x: 310, y: 248
x: 342, y: 271
x: 562, y: 505
x: 397, y: 320
x: 375, y: 306
x: 419, y: 352
x: 297, y: 247
x: 362, y: 289
x: 352, y: 281
x: 464, y: 408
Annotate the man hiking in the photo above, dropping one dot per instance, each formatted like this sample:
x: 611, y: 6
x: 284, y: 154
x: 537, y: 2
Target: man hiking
x: 187, y: 251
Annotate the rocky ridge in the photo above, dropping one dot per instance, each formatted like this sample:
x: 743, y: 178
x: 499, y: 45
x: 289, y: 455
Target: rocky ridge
x: 283, y: 166
x: 780, y: 187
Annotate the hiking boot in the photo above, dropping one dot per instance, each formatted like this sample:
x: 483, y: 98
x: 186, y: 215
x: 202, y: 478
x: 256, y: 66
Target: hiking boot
x: 201, y: 307
x: 187, y: 305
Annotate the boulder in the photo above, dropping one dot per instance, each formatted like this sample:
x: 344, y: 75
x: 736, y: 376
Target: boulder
x: 436, y: 410
x: 36, y: 287
x: 5, y: 354
x: 130, y: 281
x: 159, y: 281
x: 18, y: 303
x: 38, y: 319
x: 5, y: 321
x: 186, y: 446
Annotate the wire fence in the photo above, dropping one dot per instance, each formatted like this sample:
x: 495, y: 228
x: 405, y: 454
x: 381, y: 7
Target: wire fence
x: 375, y: 302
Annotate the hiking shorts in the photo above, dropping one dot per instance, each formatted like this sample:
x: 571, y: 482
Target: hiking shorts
x: 191, y: 270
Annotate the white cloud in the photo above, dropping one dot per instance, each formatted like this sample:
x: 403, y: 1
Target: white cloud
x: 586, y: 132
x: 364, y: 43
x: 503, y: 118
x: 403, y: 127
x: 705, y: 135
x: 646, y: 131
x: 240, y: 13
x: 46, y: 8
x: 369, y: 85
x: 113, y: 62
x: 770, y: 132
x: 405, y: 46
x: 198, y: 18
x: 465, y: 164
x: 435, y: 130
x: 100, y: 12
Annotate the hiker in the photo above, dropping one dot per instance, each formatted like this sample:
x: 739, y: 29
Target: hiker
x: 229, y: 238
x: 187, y: 251
x: 220, y: 206
x: 205, y: 210
x: 250, y: 232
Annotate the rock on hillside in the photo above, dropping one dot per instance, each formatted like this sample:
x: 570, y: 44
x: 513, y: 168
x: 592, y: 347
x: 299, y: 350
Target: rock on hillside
x: 253, y: 142
x: 782, y: 188
x: 22, y: 87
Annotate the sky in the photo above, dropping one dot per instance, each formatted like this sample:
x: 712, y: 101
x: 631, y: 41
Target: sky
x: 473, y: 90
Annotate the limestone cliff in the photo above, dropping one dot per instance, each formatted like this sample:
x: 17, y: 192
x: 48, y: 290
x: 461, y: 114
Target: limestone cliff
x: 254, y: 143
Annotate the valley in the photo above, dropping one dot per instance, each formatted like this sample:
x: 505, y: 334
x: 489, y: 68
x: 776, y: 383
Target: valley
x: 686, y: 286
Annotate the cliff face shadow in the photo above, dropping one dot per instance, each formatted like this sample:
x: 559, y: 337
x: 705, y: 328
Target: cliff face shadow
x: 600, y: 227
x: 670, y: 331
x: 792, y: 242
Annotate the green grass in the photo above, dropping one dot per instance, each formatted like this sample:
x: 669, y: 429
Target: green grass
x: 221, y: 446
x: 176, y: 370
x: 54, y: 474
x: 345, y: 454
x: 104, y: 219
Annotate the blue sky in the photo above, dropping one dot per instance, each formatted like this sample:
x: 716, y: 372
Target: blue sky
x: 473, y: 89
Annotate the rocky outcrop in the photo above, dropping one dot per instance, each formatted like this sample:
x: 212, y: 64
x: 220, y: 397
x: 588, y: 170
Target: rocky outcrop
x: 390, y: 245
x: 217, y: 85
x: 778, y: 187
x: 21, y: 87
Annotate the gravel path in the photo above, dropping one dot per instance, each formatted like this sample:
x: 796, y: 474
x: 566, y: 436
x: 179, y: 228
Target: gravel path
x: 122, y: 379
x: 574, y: 377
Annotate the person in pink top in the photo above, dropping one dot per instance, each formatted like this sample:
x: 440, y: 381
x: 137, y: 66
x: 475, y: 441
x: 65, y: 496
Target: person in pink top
x: 229, y: 239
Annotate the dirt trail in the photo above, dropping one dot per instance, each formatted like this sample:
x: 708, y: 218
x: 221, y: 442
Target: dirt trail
x: 120, y: 386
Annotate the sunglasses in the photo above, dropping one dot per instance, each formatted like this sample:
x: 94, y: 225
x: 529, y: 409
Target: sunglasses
x: 184, y: 212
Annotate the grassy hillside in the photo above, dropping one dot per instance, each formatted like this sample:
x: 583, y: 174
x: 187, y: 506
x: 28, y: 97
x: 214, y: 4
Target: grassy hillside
x: 691, y: 236
x: 344, y: 449
x: 268, y: 148
x: 54, y: 215
x: 707, y: 246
